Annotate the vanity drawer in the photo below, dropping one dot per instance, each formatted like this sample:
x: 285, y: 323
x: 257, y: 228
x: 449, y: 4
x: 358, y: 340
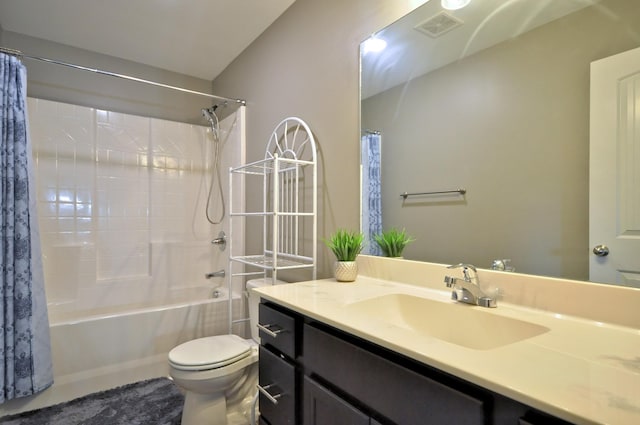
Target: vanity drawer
x: 277, y: 329
x: 277, y: 378
x: 397, y: 393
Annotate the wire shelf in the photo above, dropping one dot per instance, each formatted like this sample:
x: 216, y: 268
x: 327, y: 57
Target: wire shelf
x: 268, y: 262
x: 267, y: 166
x: 289, y: 210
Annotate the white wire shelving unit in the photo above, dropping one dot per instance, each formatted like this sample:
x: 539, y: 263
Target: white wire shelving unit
x: 287, y: 212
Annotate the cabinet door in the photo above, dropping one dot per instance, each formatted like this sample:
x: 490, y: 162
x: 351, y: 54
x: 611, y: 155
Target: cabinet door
x: 395, y: 392
x: 277, y: 378
x: 322, y: 407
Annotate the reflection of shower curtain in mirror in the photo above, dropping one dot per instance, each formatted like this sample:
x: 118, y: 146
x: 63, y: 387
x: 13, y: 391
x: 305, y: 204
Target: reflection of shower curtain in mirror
x: 370, y: 146
x: 25, y: 354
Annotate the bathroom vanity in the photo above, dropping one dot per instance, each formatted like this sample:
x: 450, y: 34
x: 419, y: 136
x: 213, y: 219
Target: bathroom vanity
x: 327, y: 377
x: 335, y: 353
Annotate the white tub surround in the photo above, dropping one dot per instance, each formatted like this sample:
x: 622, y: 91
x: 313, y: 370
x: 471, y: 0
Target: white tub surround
x: 583, y: 369
x: 121, y: 206
x: 126, y: 245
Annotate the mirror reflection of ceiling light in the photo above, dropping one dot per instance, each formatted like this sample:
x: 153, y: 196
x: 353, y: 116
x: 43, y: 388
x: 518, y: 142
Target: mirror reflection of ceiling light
x: 454, y: 4
x: 374, y: 44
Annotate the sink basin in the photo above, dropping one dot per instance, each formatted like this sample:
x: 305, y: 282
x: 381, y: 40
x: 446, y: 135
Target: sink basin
x: 460, y: 324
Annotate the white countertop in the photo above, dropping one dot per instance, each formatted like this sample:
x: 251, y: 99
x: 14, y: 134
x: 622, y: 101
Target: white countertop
x: 581, y: 370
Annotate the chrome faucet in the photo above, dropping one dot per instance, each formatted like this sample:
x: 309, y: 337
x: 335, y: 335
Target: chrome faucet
x: 219, y: 273
x: 468, y: 290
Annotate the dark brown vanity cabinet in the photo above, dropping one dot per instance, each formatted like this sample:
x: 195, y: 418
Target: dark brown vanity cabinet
x: 389, y: 391
x: 324, y: 376
x: 277, y: 376
x: 322, y: 407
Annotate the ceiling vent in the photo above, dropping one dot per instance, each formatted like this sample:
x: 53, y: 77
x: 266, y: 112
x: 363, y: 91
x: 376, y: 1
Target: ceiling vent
x: 438, y: 24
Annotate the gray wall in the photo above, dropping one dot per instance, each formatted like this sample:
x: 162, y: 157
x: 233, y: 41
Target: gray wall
x: 511, y: 125
x: 64, y: 84
x: 307, y: 64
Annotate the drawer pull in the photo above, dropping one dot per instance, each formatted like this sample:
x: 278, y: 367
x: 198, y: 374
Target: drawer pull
x: 272, y: 333
x: 272, y: 398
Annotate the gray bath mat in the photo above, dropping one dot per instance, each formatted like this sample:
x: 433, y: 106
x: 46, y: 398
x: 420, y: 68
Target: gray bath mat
x: 153, y: 402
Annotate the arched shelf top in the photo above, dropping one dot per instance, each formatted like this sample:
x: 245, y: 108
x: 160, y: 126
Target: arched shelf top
x: 292, y: 139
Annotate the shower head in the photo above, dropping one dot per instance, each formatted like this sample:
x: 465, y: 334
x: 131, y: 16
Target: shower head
x: 209, y: 113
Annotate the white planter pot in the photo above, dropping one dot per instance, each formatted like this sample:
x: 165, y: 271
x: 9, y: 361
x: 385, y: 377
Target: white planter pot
x: 346, y: 271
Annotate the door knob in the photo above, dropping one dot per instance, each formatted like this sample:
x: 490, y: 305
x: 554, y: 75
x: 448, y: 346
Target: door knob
x: 601, y: 250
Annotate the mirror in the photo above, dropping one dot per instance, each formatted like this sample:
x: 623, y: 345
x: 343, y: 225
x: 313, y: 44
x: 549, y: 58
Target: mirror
x: 492, y: 98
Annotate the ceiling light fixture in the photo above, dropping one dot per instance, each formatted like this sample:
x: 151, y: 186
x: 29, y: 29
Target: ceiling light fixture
x: 454, y: 4
x: 374, y: 44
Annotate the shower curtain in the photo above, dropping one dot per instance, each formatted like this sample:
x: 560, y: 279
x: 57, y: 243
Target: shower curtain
x: 371, y: 191
x: 25, y: 353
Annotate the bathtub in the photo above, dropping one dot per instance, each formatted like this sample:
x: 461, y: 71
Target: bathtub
x: 93, y: 350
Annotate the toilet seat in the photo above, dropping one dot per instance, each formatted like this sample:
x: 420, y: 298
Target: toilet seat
x: 209, y: 353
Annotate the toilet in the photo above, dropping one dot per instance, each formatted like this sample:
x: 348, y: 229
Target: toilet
x: 219, y: 373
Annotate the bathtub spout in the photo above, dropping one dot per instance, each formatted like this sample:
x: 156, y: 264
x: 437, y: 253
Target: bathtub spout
x: 219, y: 273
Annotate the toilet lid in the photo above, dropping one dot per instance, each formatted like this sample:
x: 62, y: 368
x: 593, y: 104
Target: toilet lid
x: 209, y: 353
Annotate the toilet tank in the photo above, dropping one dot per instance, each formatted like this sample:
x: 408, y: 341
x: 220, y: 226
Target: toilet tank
x: 254, y: 301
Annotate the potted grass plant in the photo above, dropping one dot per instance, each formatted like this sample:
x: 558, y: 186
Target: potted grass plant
x: 345, y: 246
x: 392, y: 242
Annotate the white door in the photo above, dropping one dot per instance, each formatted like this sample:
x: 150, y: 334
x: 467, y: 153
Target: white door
x: 614, y: 181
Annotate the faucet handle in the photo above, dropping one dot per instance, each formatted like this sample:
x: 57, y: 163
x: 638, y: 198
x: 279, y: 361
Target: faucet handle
x: 463, y: 266
x: 450, y: 281
x: 465, y: 270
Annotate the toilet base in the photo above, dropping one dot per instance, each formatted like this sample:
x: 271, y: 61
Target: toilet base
x: 204, y: 409
x: 232, y: 406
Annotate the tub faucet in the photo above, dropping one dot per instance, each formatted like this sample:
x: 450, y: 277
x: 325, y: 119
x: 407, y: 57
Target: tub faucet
x: 468, y: 290
x: 221, y: 240
x: 219, y: 273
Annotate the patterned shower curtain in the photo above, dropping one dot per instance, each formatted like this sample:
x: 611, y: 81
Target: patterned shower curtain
x: 371, y: 192
x: 25, y: 353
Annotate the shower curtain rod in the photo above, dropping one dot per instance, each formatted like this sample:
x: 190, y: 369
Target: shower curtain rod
x: 21, y: 55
